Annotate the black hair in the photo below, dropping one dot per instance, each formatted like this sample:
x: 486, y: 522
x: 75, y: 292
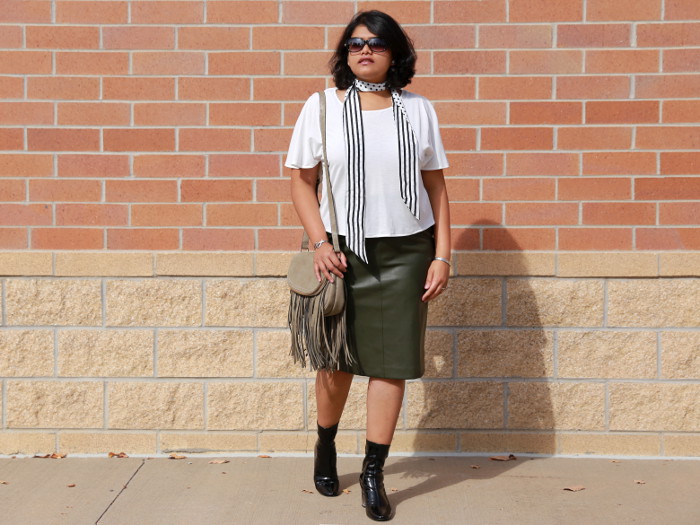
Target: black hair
x: 404, y: 56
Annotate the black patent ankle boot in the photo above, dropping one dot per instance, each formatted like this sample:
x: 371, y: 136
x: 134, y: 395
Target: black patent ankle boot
x: 374, y: 497
x: 325, y: 473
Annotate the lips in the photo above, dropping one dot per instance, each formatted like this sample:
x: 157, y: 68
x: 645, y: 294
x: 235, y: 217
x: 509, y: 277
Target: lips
x: 366, y: 61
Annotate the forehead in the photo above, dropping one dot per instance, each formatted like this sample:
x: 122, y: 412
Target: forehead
x: 362, y: 32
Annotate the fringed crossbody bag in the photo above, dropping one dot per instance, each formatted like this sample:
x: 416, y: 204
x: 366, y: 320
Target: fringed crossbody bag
x: 317, y: 309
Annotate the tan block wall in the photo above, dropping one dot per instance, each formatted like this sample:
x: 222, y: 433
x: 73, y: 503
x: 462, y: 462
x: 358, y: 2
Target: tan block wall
x: 543, y: 355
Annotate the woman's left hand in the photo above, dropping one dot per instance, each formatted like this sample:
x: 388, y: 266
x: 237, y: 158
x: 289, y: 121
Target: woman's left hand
x: 436, y: 282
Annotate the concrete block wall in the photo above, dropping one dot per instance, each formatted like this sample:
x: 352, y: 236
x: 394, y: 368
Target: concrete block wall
x: 146, y: 225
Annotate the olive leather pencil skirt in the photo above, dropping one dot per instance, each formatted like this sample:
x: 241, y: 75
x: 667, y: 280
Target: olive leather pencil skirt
x: 385, y: 315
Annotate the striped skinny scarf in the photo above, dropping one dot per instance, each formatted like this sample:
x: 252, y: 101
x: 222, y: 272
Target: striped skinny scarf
x: 355, y: 152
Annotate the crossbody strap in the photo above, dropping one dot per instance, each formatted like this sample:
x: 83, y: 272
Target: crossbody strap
x: 327, y: 177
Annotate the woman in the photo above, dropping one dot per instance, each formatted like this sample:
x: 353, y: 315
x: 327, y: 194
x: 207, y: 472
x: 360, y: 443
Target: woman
x: 386, y: 159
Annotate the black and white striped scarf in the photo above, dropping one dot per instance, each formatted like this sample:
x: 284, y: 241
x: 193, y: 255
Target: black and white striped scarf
x: 355, y: 152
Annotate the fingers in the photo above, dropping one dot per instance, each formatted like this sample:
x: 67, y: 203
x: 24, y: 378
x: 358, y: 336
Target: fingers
x: 435, y: 283
x: 329, y: 264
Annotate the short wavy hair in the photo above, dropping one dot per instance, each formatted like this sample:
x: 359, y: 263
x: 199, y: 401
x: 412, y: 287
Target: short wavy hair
x: 404, y: 56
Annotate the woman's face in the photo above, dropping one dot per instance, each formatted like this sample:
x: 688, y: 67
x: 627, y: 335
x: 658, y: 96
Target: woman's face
x: 368, y: 65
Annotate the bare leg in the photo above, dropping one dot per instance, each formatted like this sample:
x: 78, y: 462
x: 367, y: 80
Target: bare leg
x: 384, y: 397
x: 331, y: 393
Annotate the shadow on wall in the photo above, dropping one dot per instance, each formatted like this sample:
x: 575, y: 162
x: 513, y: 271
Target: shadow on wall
x: 497, y: 399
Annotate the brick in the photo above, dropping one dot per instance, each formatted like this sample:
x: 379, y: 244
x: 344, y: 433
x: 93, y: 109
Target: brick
x: 98, y: 442
x: 287, y: 37
x: 52, y: 404
x: 267, y: 139
x: 619, y: 163
x: 272, y: 190
x: 13, y: 190
x: 611, y: 264
x: 241, y: 214
x: 680, y: 355
x: 542, y: 164
x: 668, y: 35
x: 469, y: 62
x: 469, y: 12
x: 12, y: 139
x: 622, y: 111
x: 445, y: 88
x: 195, y: 88
x: 592, y: 137
x: 104, y: 264
x: 67, y: 239
x: 26, y: 353
x: 25, y: 214
x: 423, y: 441
x: 463, y: 238
x: 213, y: 38
x: 140, y: 191
x: 545, y: 11
x: 589, y: 86
x: 288, y: 215
x: 26, y: 263
x: 138, y: 37
x: 594, y: 189
x: 668, y: 239
x: 13, y: 238
x: 516, y: 138
x: 679, y: 264
x: 216, y: 239
x: 168, y: 63
x: 215, y: 190
x: 92, y: 12
x: 465, y: 190
x: 408, y: 11
x: 275, y: 239
x: 63, y: 302
x: 285, y: 88
x: 476, y: 164
x: 505, y: 264
x: 170, y: 166
x: 505, y: 353
x: 315, y: 13
x: 245, y: 165
x: 169, y: 114
x: 654, y: 407
x: 667, y: 86
x: 515, y: 88
x: 153, y: 302
x: 167, y: 12
x: 25, y: 62
x: 459, y: 139
x: 62, y: 37
x: 679, y: 60
x: 93, y: 114
x: 27, y: 12
x: 26, y: 165
x: 612, y: 213
x: 668, y: 137
x: 609, y: 444
x: 549, y: 62
x: 69, y: 88
x: 244, y: 114
x: 171, y: 405
x: 510, y: 188
x: 519, y: 239
x: 247, y: 63
x: 546, y: 113
x: 515, y: 442
x: 138, y: 88
x: 75, y: 165
x: 598, y: 239
x: 121, y: 353
x: 51, y: 139
x: 443, y: 36
x: 205, y: 353
x: 143, y: 239
x: 681, y: 10
x: 192, y: 442
x: 26, y: 113
x: 11, y: 36
x: 680, y: 111
x: 243, y: 12
x: 204, y: 264
x: 241, y: 302
x: 273, y: 264
x: 679, y: 213
x: 138, y: 139
x: 196, y: 139
x: 593, y: 35
x: 680, y: 163
x: 526, y: 214
x: 65, y: 190
x: 166, y: 215
x: 471, y: 113
x: 683, y: 445
x: 514, y: 36
x: 622, y: 61
x: 597, y: 10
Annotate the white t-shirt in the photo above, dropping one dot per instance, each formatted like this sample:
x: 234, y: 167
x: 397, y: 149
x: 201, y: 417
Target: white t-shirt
x: 386, y: 214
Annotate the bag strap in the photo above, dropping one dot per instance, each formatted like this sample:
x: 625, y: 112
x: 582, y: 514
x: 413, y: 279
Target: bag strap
x: 327, y: 179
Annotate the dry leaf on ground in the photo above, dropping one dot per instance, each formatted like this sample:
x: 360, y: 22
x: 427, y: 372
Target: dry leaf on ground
x: 55, y: 455
x: 394, y: 490
x: 575, y: 488
x: 118, y: 455
x: 640, y: 482
x: 306, y: 491
x: 218, y: 461
x: 475, y: 466
x: 72, y: 485
x: 264, y: 456
x: 173, y: 455
x: 346, y: 491
x: 3, y: 482
x: 509, y: 457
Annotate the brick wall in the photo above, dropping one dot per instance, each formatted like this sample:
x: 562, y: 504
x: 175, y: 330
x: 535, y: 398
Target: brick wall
x: 146, y: 224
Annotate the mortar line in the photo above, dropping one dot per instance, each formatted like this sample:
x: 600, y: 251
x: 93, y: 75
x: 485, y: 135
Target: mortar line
x: 143, y: 462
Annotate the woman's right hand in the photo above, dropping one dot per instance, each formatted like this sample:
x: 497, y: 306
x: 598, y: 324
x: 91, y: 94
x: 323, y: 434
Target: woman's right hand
x: 328, y: 263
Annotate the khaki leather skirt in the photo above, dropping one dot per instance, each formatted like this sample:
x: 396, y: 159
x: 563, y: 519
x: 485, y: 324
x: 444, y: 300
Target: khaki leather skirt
x: 385, y: 315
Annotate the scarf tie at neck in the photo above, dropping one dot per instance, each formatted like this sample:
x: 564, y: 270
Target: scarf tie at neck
x: 355, y: 152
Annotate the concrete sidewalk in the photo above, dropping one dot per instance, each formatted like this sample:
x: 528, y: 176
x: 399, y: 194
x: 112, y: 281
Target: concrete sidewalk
x: 279, y: 490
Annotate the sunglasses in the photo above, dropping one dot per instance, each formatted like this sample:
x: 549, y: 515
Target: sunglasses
x: 376, y: 45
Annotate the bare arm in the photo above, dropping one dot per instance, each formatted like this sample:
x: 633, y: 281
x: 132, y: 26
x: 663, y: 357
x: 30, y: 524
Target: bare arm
x: 326, y: 261
x: 439, y: 271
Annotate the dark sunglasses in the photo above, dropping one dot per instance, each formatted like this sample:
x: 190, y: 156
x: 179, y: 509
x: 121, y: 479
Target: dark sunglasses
x: 376, y: 45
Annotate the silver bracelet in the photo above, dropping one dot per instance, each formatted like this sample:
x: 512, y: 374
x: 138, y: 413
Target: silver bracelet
x: 318, y: 244
x: 443, y: 260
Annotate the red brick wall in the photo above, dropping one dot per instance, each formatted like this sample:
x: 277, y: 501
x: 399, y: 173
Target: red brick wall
x: 144, y: 125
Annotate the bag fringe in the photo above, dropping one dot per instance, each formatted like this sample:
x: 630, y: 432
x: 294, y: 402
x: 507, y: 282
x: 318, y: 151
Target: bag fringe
x: 320, y: 338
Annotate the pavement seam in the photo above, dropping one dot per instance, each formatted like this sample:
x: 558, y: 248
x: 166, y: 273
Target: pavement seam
x: 126, y: 485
